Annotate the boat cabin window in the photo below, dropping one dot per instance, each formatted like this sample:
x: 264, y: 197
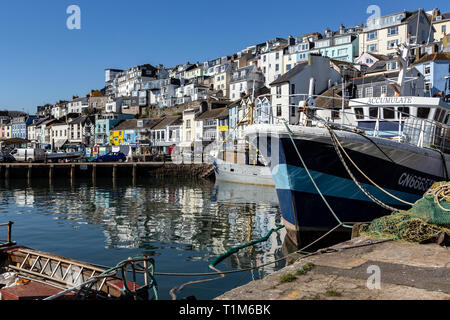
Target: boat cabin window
x: 404, y: 111
x: 447, y: 119
x: 436, y: 114
x: 359, y: 113
x: 441, y: 117
x: 373, y: 112
x: 423, y: 113
x: 388, y: 113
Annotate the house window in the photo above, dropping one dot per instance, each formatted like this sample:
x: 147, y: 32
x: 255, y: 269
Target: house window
x: 264, y: 58
x: 444, y: 29
x: 372, y: 35
x: 383, y: 90
x: 278, y: 110
x: 371, y: 47
x: 392, y: 31
x: 277, y: 55
x: 369, y: 92
x: 392, y: 44
x: 293, y: 88
x: 427, y: 69
x: 288, y: 67
x: 277, y: 67
x: 278, y: 91
x: 392, y: 65
x: 188, y: 123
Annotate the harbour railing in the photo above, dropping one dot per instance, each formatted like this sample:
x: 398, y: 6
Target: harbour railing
x: 422, y: 126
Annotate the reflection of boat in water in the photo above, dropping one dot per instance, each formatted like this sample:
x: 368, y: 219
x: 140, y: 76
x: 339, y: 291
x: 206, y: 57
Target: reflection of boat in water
x: 243, y: 193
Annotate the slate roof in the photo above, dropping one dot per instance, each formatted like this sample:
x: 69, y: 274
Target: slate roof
x: 437, y: 56
x: 168, y: 121
x: 213, y: 114
x: 291, y: 73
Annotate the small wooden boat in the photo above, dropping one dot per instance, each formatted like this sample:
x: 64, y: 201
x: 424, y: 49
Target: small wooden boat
x: 28, y: 274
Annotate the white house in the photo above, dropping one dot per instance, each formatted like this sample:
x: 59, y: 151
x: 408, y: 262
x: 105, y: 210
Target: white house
x: 245, y: 79
x: 311, y: 77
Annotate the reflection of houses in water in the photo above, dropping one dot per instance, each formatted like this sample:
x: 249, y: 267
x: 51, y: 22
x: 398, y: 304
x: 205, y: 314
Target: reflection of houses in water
x: 139, y: 217
x: 24, y: 198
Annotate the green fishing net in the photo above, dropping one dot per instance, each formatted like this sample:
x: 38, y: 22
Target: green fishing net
x: 427, y: 220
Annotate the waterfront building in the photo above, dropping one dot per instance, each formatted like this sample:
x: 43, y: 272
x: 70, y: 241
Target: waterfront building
x: 58, y: 134
x: 194, y: 71
x: 166, y: 134
x: 369, y: 58
x: 42, y: 132
x: 441, y: 24
x: 104, y: 123
x: 122, y: 83
x: 223, y: 78
x: 44, y: 111
x: 165, y: 95
x: 435, y: 68
x: 342, y: 45
x: 97, y: 103
x: 317, y: 75
x: 212, y: 126
x: 240, y: 116
x: 271, y: 60
x: 59, y: 110
x: 243, y: 80
x: 382, y: 35
x: 81, y: 132
x: 19, y: 126
x: 301, y: 48
x: 191, y: 91
x: 114, y: 105
x: 4, y: 120
x: 124, y: 133
x: 77, y: 105
x: 31, y: 130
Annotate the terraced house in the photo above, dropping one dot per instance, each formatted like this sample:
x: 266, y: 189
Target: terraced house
x: 383, y: 35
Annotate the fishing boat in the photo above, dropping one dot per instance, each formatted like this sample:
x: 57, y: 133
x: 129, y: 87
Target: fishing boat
x: 383, y: 159
x: 29, y: 274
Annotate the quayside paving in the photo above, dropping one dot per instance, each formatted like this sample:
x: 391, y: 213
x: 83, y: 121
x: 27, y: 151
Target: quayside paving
x: 348, y: 271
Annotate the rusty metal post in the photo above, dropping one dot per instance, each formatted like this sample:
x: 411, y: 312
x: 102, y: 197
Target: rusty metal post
x: 10, y: 223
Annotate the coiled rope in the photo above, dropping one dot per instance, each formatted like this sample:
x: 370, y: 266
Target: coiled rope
x: 439, y: 193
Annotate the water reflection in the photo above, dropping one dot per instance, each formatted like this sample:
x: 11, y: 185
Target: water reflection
x: 200, y: 216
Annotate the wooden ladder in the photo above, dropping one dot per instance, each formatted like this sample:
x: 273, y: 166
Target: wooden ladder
x: 62, y: 271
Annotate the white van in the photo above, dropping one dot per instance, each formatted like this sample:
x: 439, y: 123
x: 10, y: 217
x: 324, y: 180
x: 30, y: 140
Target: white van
x: 29, y: 154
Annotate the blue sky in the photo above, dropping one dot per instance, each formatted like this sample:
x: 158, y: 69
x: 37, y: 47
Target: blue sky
x: 42, y: 61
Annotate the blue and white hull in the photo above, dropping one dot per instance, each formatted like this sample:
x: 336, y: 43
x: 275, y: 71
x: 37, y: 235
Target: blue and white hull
x: 401, y: 169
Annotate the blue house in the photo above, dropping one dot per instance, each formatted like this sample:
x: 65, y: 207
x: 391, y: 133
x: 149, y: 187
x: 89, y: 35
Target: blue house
x: 104, y: 123
x: 19, y: 126
x: 435, y: 67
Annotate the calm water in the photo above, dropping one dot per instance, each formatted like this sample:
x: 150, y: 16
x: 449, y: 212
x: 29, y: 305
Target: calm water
x: 182, y: 224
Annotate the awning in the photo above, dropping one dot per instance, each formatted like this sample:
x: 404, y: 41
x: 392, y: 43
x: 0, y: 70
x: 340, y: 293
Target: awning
x: 185, y: 144
x: 58, y: 143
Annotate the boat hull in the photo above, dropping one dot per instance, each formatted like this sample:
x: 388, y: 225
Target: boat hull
x: 243, y: 174
x: 403, y: 171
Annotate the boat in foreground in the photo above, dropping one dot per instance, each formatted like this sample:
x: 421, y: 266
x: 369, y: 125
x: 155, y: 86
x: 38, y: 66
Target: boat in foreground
x: 381, y: 160
x: 28, y: 274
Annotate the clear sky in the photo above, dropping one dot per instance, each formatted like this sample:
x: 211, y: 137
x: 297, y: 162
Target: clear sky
x: 42, y: 61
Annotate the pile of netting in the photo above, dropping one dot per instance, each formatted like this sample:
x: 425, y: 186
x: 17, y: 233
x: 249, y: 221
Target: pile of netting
x: 427, y: 221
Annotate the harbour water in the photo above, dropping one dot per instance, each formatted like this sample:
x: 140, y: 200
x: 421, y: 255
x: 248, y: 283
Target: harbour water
x: 182, y: 224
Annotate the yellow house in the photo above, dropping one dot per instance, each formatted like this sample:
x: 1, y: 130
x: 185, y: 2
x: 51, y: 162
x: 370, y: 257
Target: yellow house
x: 441, y: 23
x: 382, y: 35
x: 289, y: 61
x: 8, y: 131
x: 115, y: 137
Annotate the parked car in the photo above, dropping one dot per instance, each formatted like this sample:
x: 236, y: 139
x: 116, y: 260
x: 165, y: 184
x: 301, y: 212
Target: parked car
x: 111, y: 157
x: 6, y: 158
